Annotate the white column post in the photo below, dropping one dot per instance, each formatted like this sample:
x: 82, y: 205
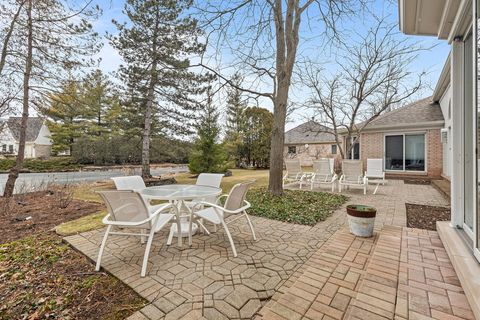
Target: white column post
x: 458, y: 173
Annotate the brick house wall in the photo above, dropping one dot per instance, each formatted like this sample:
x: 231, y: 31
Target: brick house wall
x: 313, y: 152
x: 372, y: 146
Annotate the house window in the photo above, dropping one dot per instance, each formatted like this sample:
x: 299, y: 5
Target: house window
x: 4, y: 148
x: 10, y: 148
x: 405, y: 152
x: 334, y: 149
x: 292, y: 149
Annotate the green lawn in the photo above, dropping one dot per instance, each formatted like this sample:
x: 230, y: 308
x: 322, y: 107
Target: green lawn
x: 239, y: 175
x: 295, y: 206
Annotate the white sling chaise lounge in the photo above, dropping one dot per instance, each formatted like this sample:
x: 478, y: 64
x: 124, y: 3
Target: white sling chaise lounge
x: 128, y: 209
x: 323, y: 173
x: 352, y: 175
x: 294, y: 172
x: 235, y: 204
x: 375, y: 173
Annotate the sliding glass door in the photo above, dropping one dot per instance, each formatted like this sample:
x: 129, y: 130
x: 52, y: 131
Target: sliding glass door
x: 405, y: 152
x: 415, y: 152
x: 394, y: 152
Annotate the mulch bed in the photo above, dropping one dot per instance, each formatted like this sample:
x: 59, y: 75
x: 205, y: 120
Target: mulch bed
x: 35, y: 212
x: 417, y: 181
x: 43, y: 278
x: 425, y: 217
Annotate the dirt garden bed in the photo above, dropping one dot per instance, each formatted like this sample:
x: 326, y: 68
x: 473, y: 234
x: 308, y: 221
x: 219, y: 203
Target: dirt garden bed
x: 43, y: 278
x: 425, y: 217
x: 31, y: 213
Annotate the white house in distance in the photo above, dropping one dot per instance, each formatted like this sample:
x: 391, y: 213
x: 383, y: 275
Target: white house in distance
x: 38, y: 142
x: 457, y: 22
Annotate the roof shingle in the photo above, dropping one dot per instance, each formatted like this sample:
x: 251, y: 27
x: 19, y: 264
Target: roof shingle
x: 421, y: 112
x: 309, y: 132
x: 34, y: 124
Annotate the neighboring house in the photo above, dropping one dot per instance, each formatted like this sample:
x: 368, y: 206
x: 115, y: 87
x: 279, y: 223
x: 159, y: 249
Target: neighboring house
x: 310, y: 141
x: 38, y: 140
x: 457, y: 22
x: 408, y: 139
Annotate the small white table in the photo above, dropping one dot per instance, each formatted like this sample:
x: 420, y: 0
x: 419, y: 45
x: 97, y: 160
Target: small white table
x: 178, y: 194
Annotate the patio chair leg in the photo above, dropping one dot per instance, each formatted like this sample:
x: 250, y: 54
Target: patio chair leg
x: 170, y: 237
x: 147, y: 252
x: 204, y: 229
x: 102, y: 247
x: 229, y: 238
x: 143, y: 239
x: 250, y: 225
x: 190, y: 230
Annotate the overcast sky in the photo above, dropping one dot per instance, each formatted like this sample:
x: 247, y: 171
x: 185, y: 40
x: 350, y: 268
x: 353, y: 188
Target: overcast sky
x: 431, y: 61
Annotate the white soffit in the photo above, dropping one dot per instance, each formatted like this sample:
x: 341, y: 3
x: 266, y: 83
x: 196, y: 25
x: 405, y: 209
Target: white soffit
x: 427, y: 17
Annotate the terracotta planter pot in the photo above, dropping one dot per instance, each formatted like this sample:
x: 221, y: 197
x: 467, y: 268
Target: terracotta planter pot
x: 361, y: 220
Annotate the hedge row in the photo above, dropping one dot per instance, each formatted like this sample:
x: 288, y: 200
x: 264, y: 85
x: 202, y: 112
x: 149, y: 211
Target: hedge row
x: 37, y: 165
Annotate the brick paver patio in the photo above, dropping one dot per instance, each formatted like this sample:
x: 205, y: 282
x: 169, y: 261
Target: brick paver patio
x: 206, y: 281
x: 401, y: 273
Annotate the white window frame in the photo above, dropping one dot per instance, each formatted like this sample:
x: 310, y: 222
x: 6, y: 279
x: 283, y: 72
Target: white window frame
x: 403, y: 134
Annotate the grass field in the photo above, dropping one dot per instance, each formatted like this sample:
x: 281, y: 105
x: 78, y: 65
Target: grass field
x: 94, y: 221
x: 238, y: 175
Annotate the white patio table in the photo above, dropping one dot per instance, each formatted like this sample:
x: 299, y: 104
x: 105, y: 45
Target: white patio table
x: 178, y: 194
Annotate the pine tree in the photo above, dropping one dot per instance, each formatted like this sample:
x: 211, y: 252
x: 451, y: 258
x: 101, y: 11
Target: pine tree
x: 156, y: 44
x: 97, y: 98
x: 235, y: 121
x: 65, y: 116
x: 208, y: 155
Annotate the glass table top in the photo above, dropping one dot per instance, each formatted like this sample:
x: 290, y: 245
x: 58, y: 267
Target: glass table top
x: 180, y: 192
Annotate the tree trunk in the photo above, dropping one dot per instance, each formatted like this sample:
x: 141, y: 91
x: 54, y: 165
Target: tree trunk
x: 13, y: 174
x: 148, y: 112
x: 275, y: 180
x: 146, y: 134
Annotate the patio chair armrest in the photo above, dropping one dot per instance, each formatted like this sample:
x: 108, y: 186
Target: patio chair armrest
x: 135, y: 223
x: 216, y: 206
x: 220, y: 197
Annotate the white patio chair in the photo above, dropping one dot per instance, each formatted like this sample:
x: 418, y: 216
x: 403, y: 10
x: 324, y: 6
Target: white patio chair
x: 375, y: 171
x: 134, y: 183
x: 323, y: 173
x: 211, y: 180
x: 235, y: 204
x: 352, y: 175
x: 204, y: 179
x: 127, y: 209
x: 294, y: 172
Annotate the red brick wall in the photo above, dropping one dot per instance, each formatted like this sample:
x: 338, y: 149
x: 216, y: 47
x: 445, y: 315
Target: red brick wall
x: 372, y: 145
x: 434, y: 153
x: 314, y: 151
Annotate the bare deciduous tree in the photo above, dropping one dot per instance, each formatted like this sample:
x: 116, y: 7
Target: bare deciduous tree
x: 263, y: 38
x: 374, y: 76
x: 50, y: 39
